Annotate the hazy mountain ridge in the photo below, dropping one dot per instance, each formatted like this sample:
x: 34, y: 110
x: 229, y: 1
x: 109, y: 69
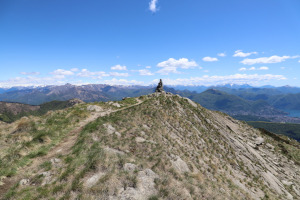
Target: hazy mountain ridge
x: 151, y: 147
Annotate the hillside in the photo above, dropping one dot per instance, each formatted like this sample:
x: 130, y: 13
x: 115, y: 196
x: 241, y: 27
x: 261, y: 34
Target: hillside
x: 234, y: 105
x: 288, y: 129
x: 10, y: 112
x: 159, y: 146
x: 287, y: 102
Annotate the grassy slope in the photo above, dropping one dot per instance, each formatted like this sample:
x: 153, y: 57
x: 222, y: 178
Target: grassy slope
x: 148, y: 120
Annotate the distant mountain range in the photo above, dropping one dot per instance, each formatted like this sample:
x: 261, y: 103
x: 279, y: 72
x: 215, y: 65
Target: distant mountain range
x: 244, y: 102
x: 87, y: 93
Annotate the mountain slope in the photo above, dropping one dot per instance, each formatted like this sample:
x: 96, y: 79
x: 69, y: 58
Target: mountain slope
x: 234, y: 105
x: 287, y: 102
x: 10, y: 112
x: 159, y: 146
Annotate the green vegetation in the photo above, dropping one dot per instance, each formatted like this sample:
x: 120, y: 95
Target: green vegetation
x: 151, y: 136
x: 8, y: 116
x: 290, y: 130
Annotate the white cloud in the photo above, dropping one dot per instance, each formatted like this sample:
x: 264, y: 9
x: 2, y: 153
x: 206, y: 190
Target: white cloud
x: 171, y: 65
x: 209, y: 59
x: 74, y: 69
x: 264, y: 68
x: 222, y: 54
x: 30, y: 73
x: 115, y: 81
x: 118, y: 67
x: 240, y: 53
x: 264, y: 60
x: 119, y: 74
x: 298, y: 61
x: 62, y: 72
x: 87, y: 73
x: 252, y: 79
x: 148, y: 67
x: 145, y: 72
x: 282, y: 67
x: 168, y: 70
x: 253, y: 68
x: 183, y: 63
x: 153, y: 5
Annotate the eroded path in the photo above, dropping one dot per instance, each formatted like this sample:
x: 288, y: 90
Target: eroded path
x: 62, y: 148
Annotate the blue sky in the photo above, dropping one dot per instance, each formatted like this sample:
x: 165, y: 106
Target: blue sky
x: 139, y: 41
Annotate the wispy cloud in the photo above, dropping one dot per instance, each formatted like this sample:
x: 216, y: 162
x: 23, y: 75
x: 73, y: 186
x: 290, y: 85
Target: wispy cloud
x: 119, y: 74
x: 253, y: 68
x: 222, y: 54
x: 153, y: 6
x: 264, y: 60
x: 171, y: 65
x: 74, y: 69
x: 61, y: 73
x: 209, y: 59
x: 115, y: 81
x: 118, y: 67
x: 240, y: 53
x: 30, y: 73
x: 87, y: 73
x: 145, y: 72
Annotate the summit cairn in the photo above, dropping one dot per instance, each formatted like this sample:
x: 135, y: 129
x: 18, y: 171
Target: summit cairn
x: 159, y: 87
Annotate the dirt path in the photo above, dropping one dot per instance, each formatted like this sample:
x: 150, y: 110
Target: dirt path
x: 70, y: 139
x: 63, y: 148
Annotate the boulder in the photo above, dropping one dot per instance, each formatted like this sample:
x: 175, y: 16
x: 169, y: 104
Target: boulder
x: 94, y: 108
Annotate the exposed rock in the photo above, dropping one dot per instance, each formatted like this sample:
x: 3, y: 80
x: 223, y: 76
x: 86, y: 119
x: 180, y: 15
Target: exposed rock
x: 48, y: 177
x: 146, y: 127
x: 114, y: 151
x: 270, y: 146
x: 110, y: 129
x: 146, y: 183
x: 94, y: 108
x: 56, y: 162
x: 90, y: 182
x: 180, y: 165
x: 116, y: 104
x: 118, y: 134
x: 259, y: 141
x: 145, y: 187
x: 139, y: 139
x: 191, y: 102
x: 129, y: 167
x: 288, y: 183
x: 75, y: 101
x: 24, y: 182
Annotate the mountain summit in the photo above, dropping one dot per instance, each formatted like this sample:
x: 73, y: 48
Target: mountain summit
x: 156, y: 146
